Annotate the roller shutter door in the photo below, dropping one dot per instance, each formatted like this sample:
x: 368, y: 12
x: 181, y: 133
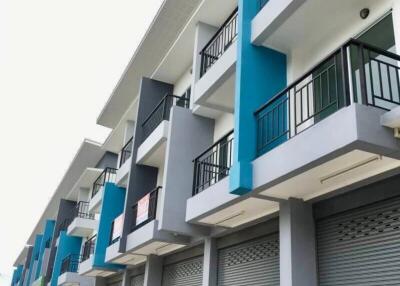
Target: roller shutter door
x: 137, y: 280
x: 115, y: 282
x: 254, y: 263
x: 185, y: 273
x: 360, y: 247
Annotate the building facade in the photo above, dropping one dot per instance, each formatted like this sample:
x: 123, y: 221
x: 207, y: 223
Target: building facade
x: 252, y: 142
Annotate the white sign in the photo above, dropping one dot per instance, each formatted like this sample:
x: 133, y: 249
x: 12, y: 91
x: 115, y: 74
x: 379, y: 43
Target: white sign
x: 143, y: 209
x: 118, y: 226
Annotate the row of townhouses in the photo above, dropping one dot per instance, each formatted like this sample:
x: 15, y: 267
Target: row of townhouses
x: 253, y: 143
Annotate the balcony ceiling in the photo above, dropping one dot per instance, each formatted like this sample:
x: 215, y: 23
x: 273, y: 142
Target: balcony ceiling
x: 319, y: 26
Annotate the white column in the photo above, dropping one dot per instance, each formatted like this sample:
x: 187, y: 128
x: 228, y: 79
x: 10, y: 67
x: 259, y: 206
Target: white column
x: 396, y: 24
x: 210, y: 262
x: 153, y: 272
x: 298, y: 265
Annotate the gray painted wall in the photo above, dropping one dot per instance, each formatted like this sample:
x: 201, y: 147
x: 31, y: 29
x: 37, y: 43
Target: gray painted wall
x: 109, y: 159
x: 64, y: 213
x: 142, y: 179
x: 189, y: 136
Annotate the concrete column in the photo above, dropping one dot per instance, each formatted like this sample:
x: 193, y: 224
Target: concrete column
x: 210, y: 262
x: 126, y: 281
x: 153, y: 271
x: 298, y: 265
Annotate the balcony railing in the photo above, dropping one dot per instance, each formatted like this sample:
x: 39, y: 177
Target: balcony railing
x: 88, y: 248
x: 213, y: 164
x: 70, y: 263
x: 356, y: 72
x: 108, y: 175
x: 146, y: 214
x: 219, y: 43
x: 81, y: 210
x: 126, y: 152
x: 161, y: 112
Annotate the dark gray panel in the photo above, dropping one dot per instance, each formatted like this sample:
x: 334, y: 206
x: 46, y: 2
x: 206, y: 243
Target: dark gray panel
x: 142, y: 179
x: 108, y: 160
x: 360, y: 247
x: 255, y: 262
x: 185, y: 273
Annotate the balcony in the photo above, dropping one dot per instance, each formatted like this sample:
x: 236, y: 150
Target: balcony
x: 70, y: 263
x: 124, y: 164
x: 145, y: 238
x: 88, y: 248
x: 69, y: 276
x: 215, y: 87
x: 214, y: 164
x: 155, y: 129
x: 328, y: 122
x: 84, y: 222
x: 212, y: 203
x: 107, y: 176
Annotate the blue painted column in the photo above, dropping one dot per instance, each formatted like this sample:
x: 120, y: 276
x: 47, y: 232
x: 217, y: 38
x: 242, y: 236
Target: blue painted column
x: 35, y: 253
x: 260, y: 74
x: 17, y: 275
x: 112, y: 206
x: 67, y: 245
x: 47, y: 234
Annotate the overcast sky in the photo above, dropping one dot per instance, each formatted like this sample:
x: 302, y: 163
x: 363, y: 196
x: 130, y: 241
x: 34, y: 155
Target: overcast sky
x: 59, y: 61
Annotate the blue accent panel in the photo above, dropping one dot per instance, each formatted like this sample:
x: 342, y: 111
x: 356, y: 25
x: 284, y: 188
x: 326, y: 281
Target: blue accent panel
x: 260, y: 74
x: 34, y: 258
x: 67, y: 245
x: 112, y: 206
x: 47, y: 234
x: 17, y: 274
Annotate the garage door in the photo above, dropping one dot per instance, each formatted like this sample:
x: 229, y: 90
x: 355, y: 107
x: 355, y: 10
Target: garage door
x: 137, y: 280
x: 185, y: 273
x: 360, y: 247
x: 253, y: 263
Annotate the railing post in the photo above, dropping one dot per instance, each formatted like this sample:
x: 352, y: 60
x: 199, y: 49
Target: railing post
x: 345, y: 75
x: 363, y: 84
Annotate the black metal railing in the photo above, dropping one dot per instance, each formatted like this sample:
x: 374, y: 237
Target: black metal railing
x: 81, y: 210
x: 113, y: 240
x: 88, y: 248
x: 126, y: 152
x: 48, y: 243
x: 356, y: 72
x: 219, y: 43
x: 137, y: 222
x: 108, y: 175
x: 161, y: 112
x: 262, y: 3
x: 70, y: 263
x: 214, y: 164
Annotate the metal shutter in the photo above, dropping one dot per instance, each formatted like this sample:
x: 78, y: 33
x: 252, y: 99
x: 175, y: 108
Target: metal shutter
x: 254, y: 263
x: 185, y: 273
x: 360, y: 247
x: 137, y: 280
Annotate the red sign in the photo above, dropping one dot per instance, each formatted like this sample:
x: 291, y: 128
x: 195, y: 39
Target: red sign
x: 118, y: 226
x: 143, y: 209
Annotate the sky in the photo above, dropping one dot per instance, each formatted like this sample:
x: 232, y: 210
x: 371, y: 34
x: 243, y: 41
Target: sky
x: 59, y: 62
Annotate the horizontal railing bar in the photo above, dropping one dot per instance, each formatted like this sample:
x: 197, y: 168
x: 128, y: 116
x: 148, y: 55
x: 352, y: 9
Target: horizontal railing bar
x: 231, y: 17
x: 215, y: 144
x: 159, y: 104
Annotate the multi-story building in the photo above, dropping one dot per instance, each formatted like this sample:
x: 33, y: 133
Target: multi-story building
x: 257, y: 144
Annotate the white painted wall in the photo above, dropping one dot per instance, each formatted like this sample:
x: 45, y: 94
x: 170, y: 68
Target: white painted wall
x: 306, y: 56
x: 182, y: 84
x: 396, y: 23
x: 223, y: 124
